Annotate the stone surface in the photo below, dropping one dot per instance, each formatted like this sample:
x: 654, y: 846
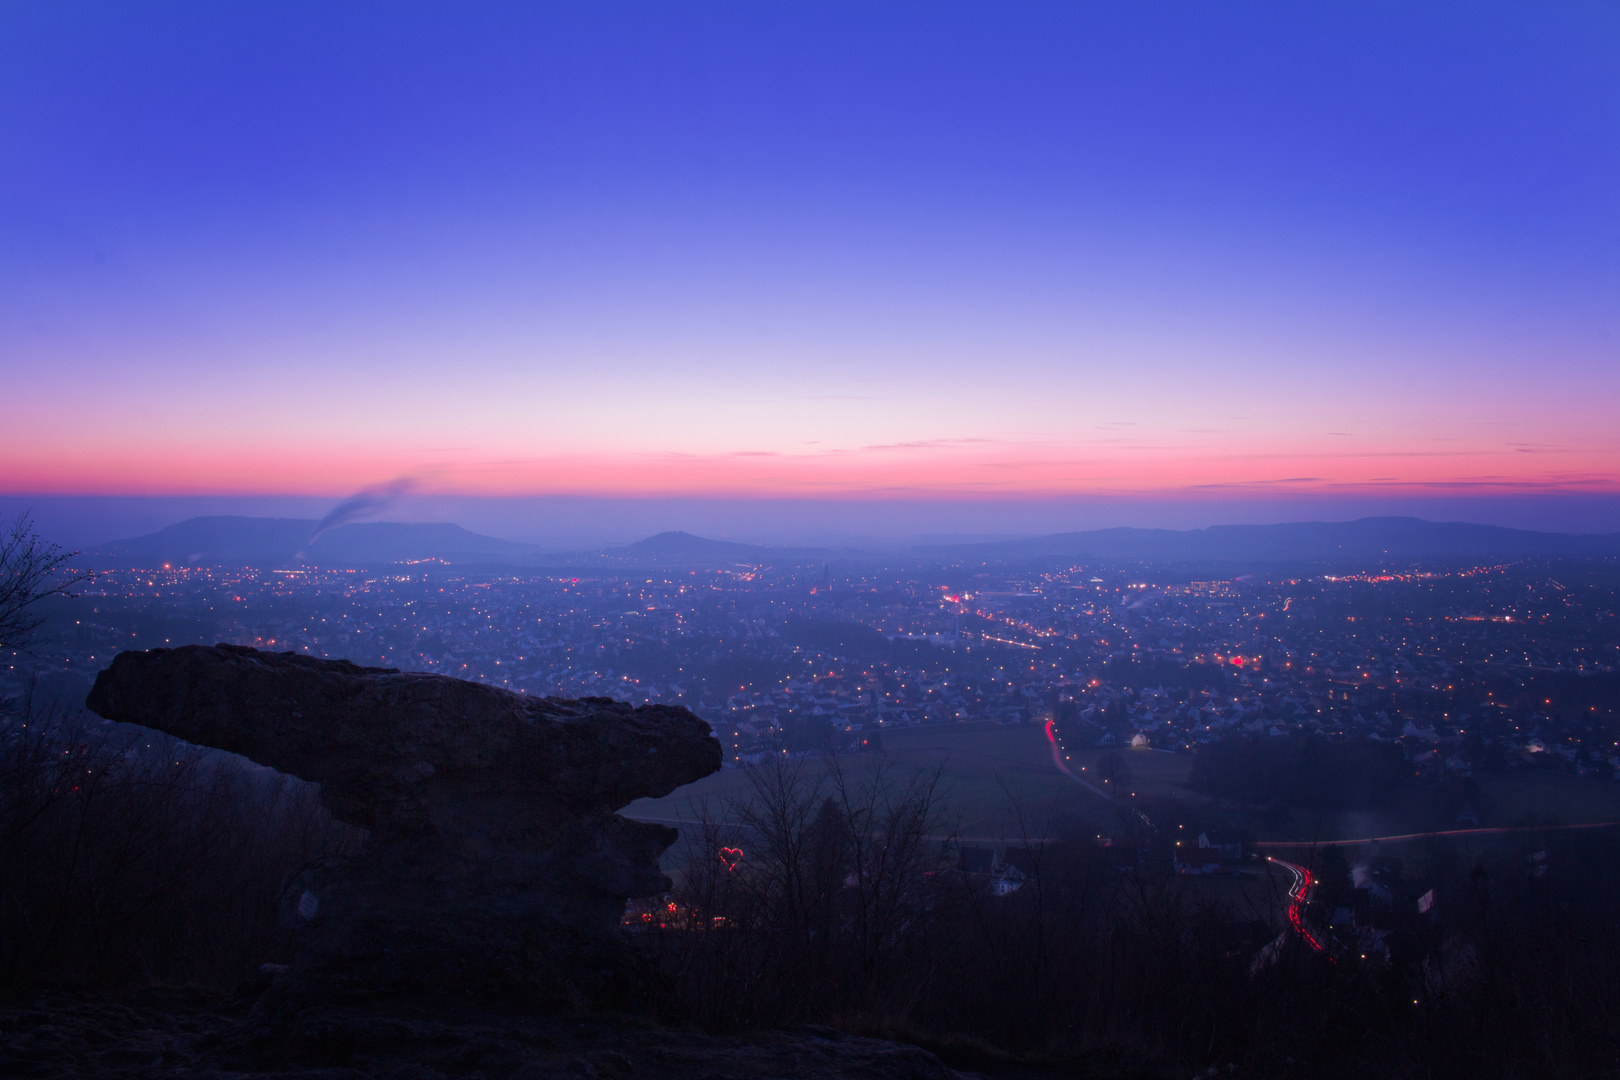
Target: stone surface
x: 57, y: 1036
x: 496, y: 865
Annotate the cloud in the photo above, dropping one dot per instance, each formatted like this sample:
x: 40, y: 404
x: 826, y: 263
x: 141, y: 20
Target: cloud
x: 926, y: 444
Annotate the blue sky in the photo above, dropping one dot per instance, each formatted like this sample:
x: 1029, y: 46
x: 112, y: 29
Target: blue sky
x: 1010, y: 251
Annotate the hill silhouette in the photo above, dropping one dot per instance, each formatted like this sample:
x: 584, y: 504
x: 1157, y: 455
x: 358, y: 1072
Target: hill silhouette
x: 1396, y: 537
x: 232, y: 540
x: 277, y: 541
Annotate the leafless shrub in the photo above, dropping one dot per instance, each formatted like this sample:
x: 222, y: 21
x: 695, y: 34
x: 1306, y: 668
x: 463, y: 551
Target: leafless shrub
x: 849, y: 909
x: 815, y: 900
x: 31, y: 570
x: 128, y: 857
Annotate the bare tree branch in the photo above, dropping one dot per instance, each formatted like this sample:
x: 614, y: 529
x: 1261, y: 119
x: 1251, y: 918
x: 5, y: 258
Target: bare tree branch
x: 31, y: 569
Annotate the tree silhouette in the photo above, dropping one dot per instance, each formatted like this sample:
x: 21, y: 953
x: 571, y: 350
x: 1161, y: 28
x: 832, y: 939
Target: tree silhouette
x: 31, y: 569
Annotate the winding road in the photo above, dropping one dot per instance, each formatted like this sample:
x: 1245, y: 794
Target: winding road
x: 1063, y: 767
x: 1297, y: 892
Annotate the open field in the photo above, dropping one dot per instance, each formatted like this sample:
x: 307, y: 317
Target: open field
x: 1534, y: 796
x: 998, y: 783
x: 989, y: 773
x: 1150, y: 774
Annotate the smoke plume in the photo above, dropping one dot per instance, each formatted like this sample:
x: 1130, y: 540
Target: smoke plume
x: 362, y: 504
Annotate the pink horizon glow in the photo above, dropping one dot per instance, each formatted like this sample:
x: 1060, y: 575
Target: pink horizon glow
x: 979, y: 254
x: 990, y: 470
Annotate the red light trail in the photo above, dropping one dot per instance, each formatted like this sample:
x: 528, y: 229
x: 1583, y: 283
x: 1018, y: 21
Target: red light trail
x: 1296, y: 899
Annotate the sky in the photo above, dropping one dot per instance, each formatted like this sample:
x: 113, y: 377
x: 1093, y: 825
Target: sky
x: 1053, y: 265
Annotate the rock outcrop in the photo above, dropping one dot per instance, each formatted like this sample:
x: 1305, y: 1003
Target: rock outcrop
x: 170, y: 1036
x: 496, y: 865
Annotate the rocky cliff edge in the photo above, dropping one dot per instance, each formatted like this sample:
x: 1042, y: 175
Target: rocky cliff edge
x: 496, y: 866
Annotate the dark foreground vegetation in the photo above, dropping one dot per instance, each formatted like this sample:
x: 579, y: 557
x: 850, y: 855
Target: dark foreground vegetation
x: 127, y: 857
x: 842, y: 909
x: 127, y: 861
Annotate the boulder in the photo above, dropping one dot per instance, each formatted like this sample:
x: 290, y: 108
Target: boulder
x: 495, y: 863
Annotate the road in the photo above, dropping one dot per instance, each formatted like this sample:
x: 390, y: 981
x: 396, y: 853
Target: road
x: 1297, y: 894
x: 1500, y: 830
x: 1063, y: 767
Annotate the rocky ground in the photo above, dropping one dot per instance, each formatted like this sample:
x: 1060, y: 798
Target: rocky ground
x: 56, y: 1036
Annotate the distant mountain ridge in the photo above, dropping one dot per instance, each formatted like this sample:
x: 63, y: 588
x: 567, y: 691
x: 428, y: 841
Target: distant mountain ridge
x: 227, y: 540
x: 1395, y: 537
x: 684, y: 543
x: 280, y: 541
x: 677, y: 547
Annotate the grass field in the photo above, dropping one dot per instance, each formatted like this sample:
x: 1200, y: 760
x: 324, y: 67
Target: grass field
x: 1522, y: 795
x: 979, y: 765
x: 1151, y: 774
x: 998, y: 783
x: 990, y: 777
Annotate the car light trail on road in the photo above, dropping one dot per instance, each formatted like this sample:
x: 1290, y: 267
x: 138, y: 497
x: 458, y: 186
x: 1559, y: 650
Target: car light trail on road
x: 1296, y: 899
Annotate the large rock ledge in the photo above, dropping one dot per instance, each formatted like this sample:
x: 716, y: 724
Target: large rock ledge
x: 496, y: 864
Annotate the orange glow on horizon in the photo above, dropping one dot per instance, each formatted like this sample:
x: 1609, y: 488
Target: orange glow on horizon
x: 994, y: 471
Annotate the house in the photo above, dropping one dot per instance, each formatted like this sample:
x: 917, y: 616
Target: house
x: 998, y: 867
x: 1197, y: 860
x: 1008, y: 880
x: 1229, y: 852
x: 1380, y: 877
